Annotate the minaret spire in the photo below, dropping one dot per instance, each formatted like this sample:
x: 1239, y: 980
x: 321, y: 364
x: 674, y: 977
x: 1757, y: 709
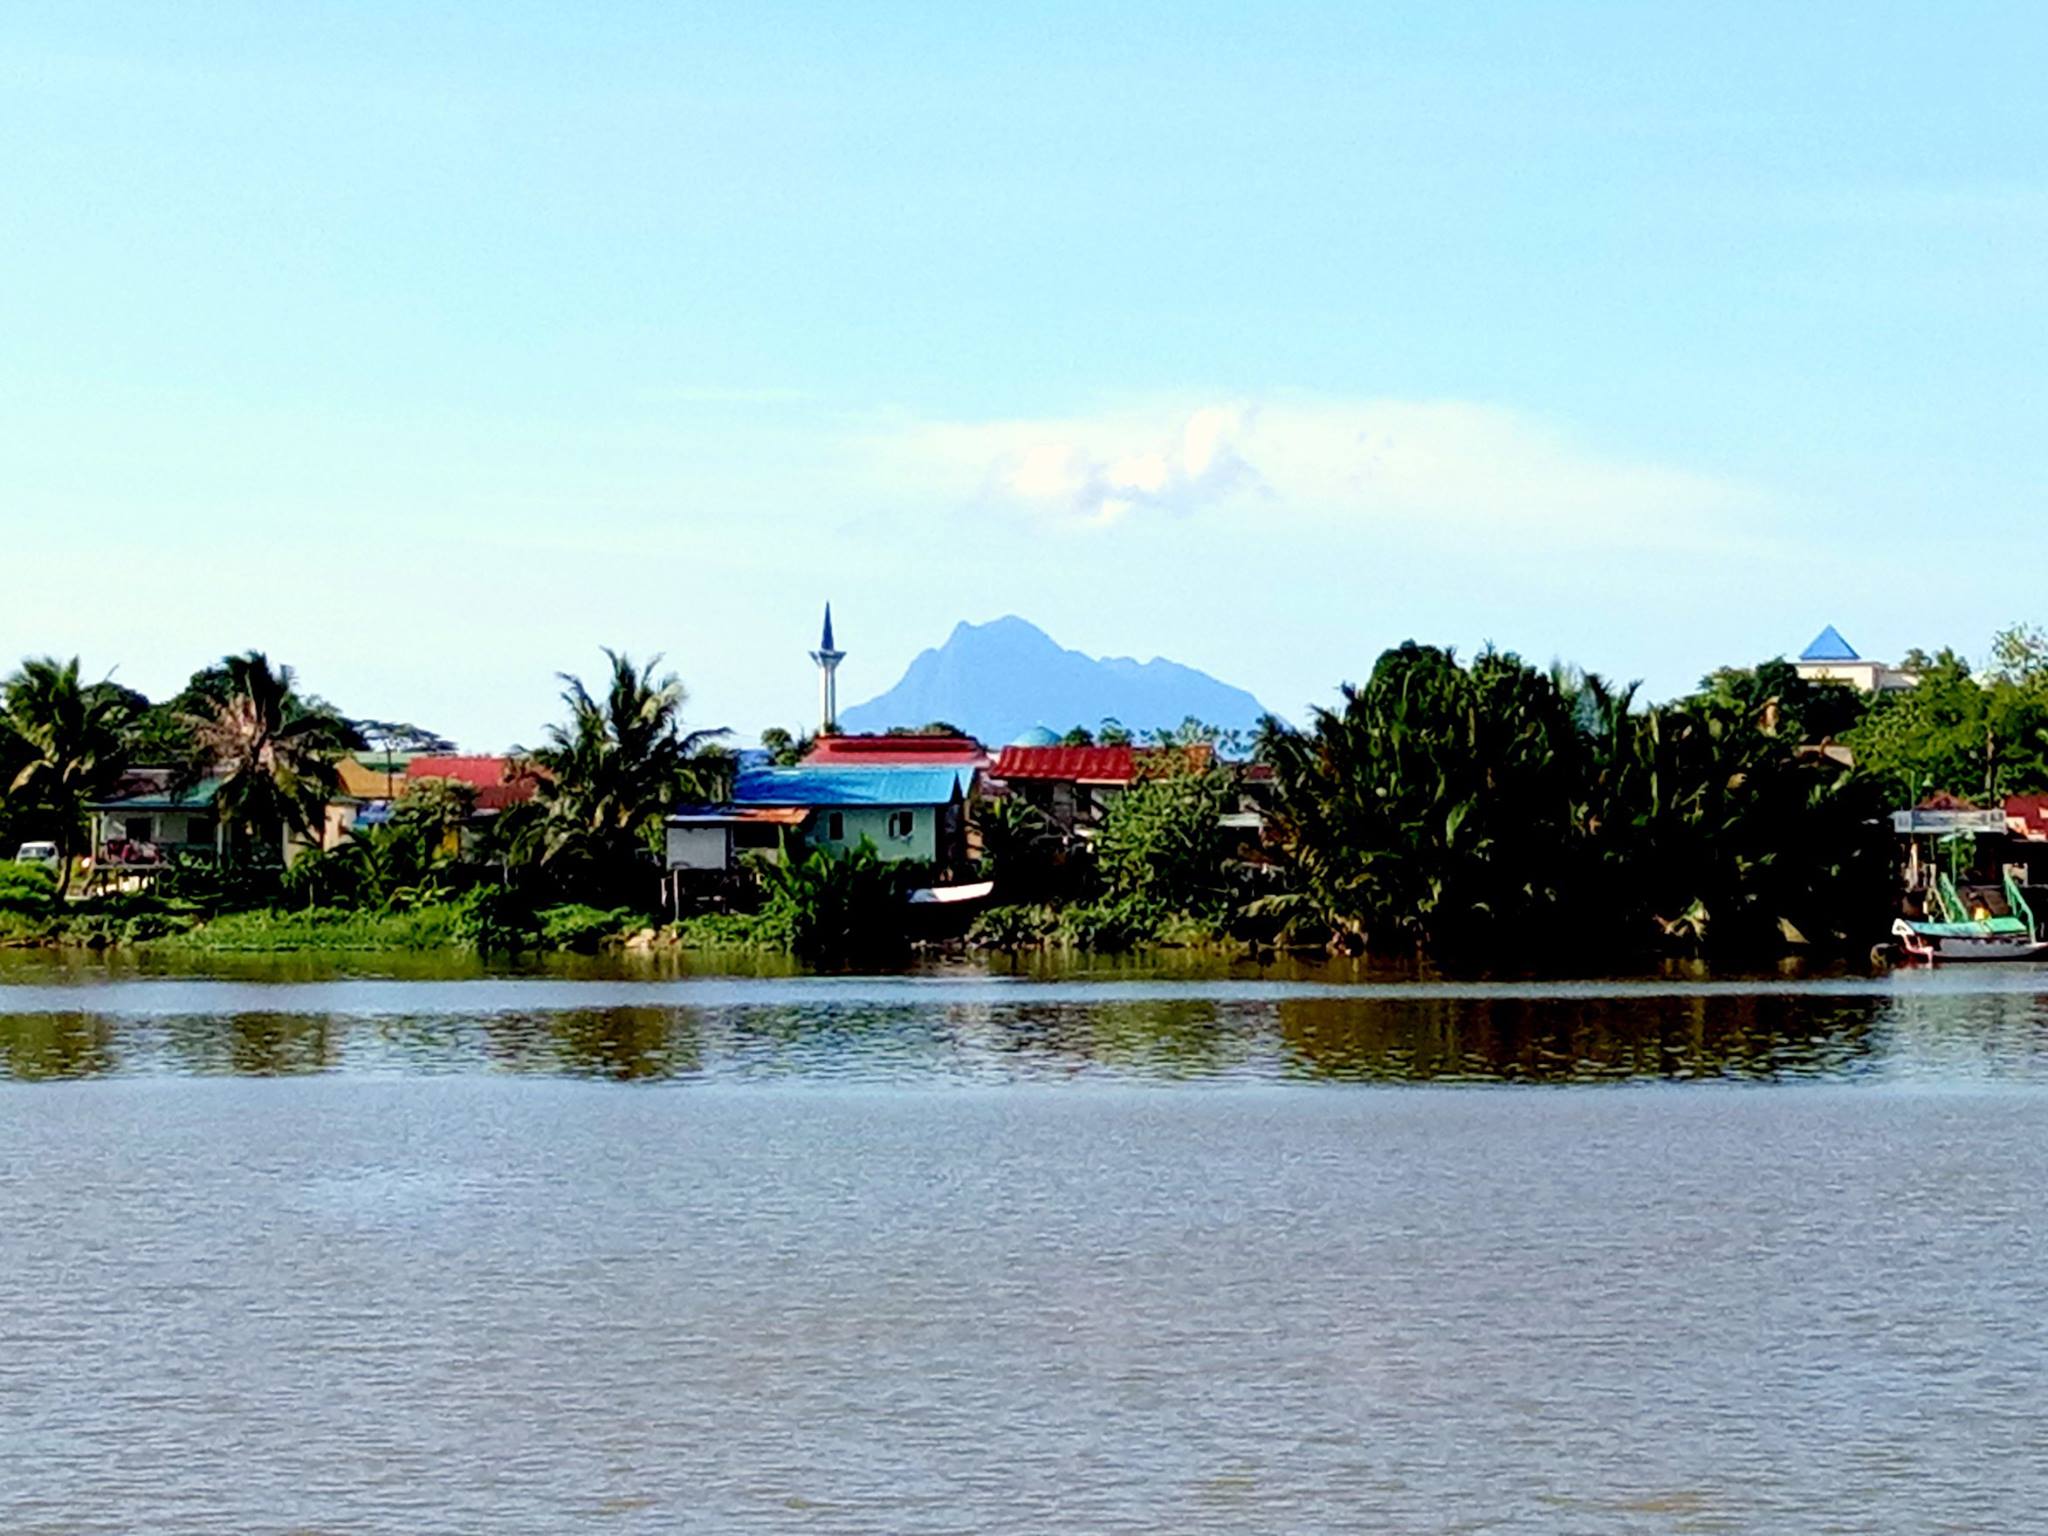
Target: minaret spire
x: 828, y: 656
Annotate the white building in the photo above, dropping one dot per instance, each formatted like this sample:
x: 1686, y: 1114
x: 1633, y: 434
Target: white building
x: 1831, y: 659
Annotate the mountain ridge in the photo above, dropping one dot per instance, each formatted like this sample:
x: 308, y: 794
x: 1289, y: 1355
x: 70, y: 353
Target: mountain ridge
x: 999, y: 679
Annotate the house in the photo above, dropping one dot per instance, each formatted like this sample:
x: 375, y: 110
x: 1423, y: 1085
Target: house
x: 1832, y: 659
x: 363, y: 795
x: 147, y: 823
x: 907, y: 812
x: 1072, y: 786
x: 500, y: 782
x: 1972, y: 843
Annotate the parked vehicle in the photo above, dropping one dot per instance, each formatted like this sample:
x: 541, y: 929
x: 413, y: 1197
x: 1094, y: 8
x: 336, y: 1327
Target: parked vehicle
x: 44, y: 854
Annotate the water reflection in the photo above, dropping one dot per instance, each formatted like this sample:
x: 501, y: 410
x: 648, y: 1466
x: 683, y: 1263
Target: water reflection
x: 624, y: 1044
x: 1537, y: 1039
x: 244, y: 1044
x: 36, y: 1046
x: 768, y: 1030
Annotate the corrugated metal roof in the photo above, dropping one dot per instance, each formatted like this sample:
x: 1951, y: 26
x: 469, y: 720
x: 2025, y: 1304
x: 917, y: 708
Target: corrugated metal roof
x: 882, y: 751
x: 499, y: 797
x: 739, y: 815
x: 1097, y: 765
x: 370, y: 781
x: 480, y: 771
x: 158, y: 797
x: 1074, y: 765
x: 851, y: 786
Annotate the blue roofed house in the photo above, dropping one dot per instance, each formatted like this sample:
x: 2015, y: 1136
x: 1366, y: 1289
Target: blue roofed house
x: 1831, y: 659
x: 908, y: 812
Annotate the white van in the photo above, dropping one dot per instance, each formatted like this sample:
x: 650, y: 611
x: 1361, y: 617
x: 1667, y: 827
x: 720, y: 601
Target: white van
x: 44, y: 854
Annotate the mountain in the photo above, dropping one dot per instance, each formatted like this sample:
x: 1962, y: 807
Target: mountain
x: 998, y: 680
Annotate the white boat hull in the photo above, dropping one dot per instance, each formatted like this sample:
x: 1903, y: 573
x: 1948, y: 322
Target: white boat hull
x: 1951, y: 949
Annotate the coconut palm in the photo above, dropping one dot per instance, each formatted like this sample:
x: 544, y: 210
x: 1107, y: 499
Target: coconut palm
x: 66, y: 748
x: 272, y: 749
x: 614, y: 768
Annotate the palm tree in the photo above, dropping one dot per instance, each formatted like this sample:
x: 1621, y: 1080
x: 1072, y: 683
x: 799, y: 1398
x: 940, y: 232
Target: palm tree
x: 273, y: 750
x: 614, y: 769
x: 67, y: 747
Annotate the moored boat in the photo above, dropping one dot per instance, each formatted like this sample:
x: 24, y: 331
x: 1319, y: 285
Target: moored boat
x: 1966, y: 933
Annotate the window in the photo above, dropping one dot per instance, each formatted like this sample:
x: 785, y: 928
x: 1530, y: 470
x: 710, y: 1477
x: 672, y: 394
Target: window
x: 835, y: 827
x: 199, y: 831
x: 137, y: 829
x: 902, y: 823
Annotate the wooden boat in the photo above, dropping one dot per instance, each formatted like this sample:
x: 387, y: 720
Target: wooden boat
x: 1971, y: 934
x: 1948, y: 943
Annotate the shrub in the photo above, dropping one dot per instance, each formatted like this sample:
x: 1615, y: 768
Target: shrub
x: 1112, y: 924
x: 575, y: 926
x: 1013, y: 927
x: 836, y: 907
x: 433, y: 927
x: 27, y: 890
x: 755, y: 931
x: 496, y: 920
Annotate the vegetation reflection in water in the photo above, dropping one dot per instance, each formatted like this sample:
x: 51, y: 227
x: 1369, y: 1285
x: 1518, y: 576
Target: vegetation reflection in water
x: 1508, y: 1038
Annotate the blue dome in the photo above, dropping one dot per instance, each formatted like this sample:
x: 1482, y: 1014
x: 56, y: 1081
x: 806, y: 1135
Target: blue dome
x: 1037, y: 736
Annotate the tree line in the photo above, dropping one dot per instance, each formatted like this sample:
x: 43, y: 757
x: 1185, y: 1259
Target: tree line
x: 1484, y: 806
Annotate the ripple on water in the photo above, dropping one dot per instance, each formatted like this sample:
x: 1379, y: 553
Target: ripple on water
x: 399, y: 1261
x: 882, y: 1030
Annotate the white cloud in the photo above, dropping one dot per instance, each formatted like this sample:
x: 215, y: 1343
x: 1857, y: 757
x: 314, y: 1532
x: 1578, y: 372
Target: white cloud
x: 1433, y: 471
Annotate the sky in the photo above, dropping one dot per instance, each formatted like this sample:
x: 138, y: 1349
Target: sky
x: 431, y: 347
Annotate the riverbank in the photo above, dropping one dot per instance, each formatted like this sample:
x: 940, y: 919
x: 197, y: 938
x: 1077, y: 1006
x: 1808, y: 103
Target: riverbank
x: 478, y: 923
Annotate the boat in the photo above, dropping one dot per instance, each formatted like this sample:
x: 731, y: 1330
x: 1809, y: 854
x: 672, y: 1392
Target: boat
x: 1971, y: 933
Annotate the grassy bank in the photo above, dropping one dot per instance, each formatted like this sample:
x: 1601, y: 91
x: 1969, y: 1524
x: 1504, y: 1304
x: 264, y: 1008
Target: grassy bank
x: 479, y: 921
x: 437, y: 927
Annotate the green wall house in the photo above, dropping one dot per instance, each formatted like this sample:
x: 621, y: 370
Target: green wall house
x: 916, y: 814
x: 148, y: 822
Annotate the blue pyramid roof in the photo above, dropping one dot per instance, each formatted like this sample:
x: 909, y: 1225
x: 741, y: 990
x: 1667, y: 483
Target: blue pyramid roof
x: 1037, y: 736
x: 1829, y: 645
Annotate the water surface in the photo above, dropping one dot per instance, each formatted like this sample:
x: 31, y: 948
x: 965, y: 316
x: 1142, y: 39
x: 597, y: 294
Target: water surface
x: 950, y: 1253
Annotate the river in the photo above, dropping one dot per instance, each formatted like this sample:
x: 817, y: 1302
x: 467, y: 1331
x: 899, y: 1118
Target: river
x: 361, y: 1248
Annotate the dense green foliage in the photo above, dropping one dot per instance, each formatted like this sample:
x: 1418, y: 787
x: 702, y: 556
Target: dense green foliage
x: 26, y: 890
x: 1958, y: 733
x: 1498, y: 809
x: 62, y: 749
x: 832, y: 908
x: 1162, y: 844
x: 409, y: 861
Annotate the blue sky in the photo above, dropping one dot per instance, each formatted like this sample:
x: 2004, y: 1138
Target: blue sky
x: 430, y: 347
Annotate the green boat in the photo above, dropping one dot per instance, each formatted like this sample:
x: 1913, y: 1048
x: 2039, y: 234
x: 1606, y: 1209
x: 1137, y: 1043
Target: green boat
x: 1966, y: 933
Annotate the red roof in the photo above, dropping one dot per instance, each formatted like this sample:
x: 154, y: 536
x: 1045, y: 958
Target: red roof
x: 498, y: 781
x: 1073, y: 765
x: 884, y: 751
x: 495, y: 797
x: 2027, y: 816
x: 1094, y: 765
x: 480, y: 771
